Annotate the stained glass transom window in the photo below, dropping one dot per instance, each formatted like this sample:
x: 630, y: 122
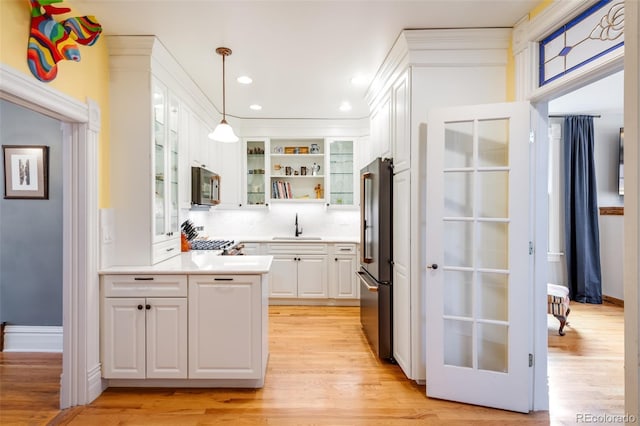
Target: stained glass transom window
x: 594, y: 33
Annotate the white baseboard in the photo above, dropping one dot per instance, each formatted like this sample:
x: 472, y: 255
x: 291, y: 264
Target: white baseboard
x: 23, y: 338
x: 95, y: 383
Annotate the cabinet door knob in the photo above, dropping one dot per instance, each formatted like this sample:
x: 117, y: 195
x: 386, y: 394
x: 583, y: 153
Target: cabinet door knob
x: 433, y: 266
x: 336, y: 259
x: 148, y: 307
x: 139, y: 307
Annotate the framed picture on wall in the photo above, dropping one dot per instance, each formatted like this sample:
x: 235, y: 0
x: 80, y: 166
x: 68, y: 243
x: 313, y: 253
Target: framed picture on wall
x: 26, y: 171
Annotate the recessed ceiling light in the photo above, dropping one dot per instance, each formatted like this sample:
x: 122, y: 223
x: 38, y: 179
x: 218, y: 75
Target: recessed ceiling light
x: 345, y: 106
x: 255, y: 107
x: 245, y: 79
x: 360, y: 80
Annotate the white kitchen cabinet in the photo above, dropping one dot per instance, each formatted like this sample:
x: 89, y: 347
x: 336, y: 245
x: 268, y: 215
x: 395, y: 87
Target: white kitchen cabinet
x: 228, y: 327
x: 402, y: 324
x: 401, y: 141
x: 251, y: 248
x: 145, y: 136
x: 166, y: 119
x: 381, y: 129
x: 298, y: 270
x: 343, y: 265
x: 184, y: 161
x: 144, y: 327
x: 228, y: 165
x: 256, y: 181
x: 342, y: 181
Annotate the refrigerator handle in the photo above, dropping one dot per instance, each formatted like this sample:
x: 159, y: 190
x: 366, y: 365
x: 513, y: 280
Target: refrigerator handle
x: 371, y: 288
x: 365, y: 257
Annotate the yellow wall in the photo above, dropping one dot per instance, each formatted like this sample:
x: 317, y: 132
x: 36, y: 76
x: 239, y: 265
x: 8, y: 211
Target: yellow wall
x: 511, y: 70
x: 88, y: 78
x: 539, y: 8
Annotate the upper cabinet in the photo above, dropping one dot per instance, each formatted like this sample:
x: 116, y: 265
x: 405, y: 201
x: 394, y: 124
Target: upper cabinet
x: 155, y: 126
x: 401, y: 141
x: 166, y: 119
x: 342, y: 179
x: 227, y: 160
x: 256, y: 172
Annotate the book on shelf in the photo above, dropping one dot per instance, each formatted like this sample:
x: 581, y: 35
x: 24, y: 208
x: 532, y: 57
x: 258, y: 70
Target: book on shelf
x: 281, y: 190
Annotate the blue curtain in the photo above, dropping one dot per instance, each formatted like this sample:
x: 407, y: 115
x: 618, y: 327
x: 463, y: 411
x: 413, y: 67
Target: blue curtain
x: 582, y: 242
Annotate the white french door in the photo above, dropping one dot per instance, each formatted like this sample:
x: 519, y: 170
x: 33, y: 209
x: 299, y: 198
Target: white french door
x: 478, y: 287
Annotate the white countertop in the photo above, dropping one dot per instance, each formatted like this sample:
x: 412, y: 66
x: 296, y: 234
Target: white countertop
x: 200, y: 262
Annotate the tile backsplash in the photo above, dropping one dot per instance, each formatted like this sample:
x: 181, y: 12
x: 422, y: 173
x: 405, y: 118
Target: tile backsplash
x: 278, y: 220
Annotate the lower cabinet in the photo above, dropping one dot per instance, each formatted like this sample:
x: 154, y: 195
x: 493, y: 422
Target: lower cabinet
x: 313, y: 271
x: 299, y: 276
x: 227, y: 327
x: 144, y: 336
x: 342, y: 264
x: 185, y: 327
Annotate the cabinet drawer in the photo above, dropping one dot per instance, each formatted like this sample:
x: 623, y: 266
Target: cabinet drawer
x: 165, y: 250
x: 344, y: 249
x: 144, y: 285
x: 299, y: 248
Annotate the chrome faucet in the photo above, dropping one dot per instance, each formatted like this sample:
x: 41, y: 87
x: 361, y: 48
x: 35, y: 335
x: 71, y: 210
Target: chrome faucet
x: 298, y: 230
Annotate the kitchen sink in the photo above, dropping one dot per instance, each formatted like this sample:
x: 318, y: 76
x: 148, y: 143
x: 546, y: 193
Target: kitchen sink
x: 297, y: 238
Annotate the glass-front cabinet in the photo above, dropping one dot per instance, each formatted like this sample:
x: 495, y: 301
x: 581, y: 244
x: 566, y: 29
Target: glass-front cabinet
x: 166, y: 111
x: 256, y: 172
x: 341, y: 182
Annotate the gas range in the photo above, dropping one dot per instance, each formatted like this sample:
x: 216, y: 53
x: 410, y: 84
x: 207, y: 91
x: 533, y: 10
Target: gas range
x: 212, y: 244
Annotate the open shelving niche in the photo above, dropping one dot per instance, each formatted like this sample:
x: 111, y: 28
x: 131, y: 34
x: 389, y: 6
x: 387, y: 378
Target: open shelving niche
x: 298, y: 158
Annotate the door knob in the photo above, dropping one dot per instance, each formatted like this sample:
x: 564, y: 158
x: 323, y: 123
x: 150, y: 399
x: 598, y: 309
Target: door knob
x: 433, y: 266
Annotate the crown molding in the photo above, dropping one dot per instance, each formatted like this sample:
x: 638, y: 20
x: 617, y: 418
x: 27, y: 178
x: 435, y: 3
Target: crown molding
x: 439, y: 48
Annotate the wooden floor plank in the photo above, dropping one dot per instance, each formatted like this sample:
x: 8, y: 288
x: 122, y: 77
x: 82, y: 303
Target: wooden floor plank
x: 322, y: 372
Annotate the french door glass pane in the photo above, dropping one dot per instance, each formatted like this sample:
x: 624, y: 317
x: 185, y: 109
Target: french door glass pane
x: 493, y: 143
x: 458, y: 243
x: 458, y: 194
x: 458, y: 343
x: 492, y: 347
x: 493, y: 244
x: 458, y: 145
x: 492, y: 187
x: 493, y: 294
x: 458, y: 293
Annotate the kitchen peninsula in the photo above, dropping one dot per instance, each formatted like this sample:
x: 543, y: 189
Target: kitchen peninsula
x: 195, y: 320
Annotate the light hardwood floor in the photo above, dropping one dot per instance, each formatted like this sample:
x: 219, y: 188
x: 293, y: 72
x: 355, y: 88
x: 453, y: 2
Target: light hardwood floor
x: 322, y: 372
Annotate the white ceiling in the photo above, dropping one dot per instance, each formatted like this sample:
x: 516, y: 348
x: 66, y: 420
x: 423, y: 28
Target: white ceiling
x: 300, y: 54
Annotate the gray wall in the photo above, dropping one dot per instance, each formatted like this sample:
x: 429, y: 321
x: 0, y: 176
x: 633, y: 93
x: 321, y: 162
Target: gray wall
x: 31, y: 230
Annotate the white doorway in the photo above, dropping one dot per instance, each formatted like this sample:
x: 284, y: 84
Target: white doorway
x: 81, y: 379
x: 604, y: 100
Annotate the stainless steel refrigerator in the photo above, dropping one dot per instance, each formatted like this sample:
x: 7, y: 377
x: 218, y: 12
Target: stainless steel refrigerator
x: 376, y: 255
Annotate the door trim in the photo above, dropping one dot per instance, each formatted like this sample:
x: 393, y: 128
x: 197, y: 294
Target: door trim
x: 80, y: 381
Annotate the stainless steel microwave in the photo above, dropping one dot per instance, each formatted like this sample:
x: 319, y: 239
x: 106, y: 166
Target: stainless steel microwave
x: 205, y: 187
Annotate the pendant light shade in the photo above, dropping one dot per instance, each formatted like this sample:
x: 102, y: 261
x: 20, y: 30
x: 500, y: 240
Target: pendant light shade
x: 223, y: 131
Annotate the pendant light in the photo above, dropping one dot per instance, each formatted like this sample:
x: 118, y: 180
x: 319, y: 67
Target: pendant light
x: 223, y: 131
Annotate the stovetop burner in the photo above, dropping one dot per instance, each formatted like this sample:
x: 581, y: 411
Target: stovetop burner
x: 211, y: 244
